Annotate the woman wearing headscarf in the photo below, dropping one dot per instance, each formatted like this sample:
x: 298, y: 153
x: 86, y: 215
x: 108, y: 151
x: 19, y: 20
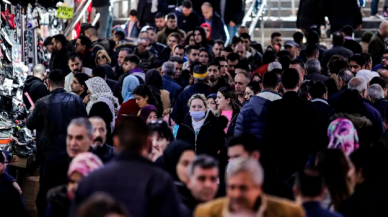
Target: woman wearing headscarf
x: 343, y: 135
x: 149, y: 113
x: 60, y: 198
x: 153, y: 80
x: 129, y: 106
x: 208, y: 31
x: 102, y: 103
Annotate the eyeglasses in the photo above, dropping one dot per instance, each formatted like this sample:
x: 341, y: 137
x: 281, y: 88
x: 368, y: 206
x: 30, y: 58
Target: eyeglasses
x: 102, y: 57
x: 384, y: 58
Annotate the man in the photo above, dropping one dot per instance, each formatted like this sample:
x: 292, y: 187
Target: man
x: 114, y: 86
x: 51, y: 116
x: 253, y: 115
x: 311, y: 191
x: 192, y: 52
x: 131, y: 26
x: 343, y: 78
x: 82, y: 48
x: 313, y: 69
x: 202, y: 182
x: 153, y: 186
x: 241, y: 51
x: 48, y: 44
x: 380, y: 81
x: 34, y: 85
x: 246, y: 38
x: 342, y: 13
x: 178, y: 62
x: 162, y: 52
x: 233, y: 59
x: 120, y: 61
x: 179, y: 51
x: 99, y: 147
x: 232, y: 12
x: 377, y: 45
x: 224, y: 70
x: 215, y: 82
x: 300, y: 67
x: 293, y: 48
x: 171, y: 26
x: 78, y: 85
x: 188, y: 19
x: 60, y: 54
x: 160, y: 21
x: 383, y: 63
x: 349, y: 43
x: 78, y: 140
x: 76, y: 66
x: 217, y: 48
x: 95, y: 46
x: 169, y: 84
x: 245, y: 195
x: 284, y: 150
x: 242, y: 67
x: 375, y: 94
x: 214, y: 20
x: 356, y: 63
x: 312, y: 52
x: 241, y: 81
x: 199, y: 86
x: 131, y: 67
x: 276, y: 40
x: 337, y: 49
x: 147, y: 59
x: 102, y: 7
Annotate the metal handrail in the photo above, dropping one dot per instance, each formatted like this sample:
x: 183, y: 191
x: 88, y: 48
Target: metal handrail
x: 248, y: 13
x: 259, y: 15
x: 77, y: 16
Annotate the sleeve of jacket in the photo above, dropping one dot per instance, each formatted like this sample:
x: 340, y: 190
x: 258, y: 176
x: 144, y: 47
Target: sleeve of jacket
x: 299, y: 13
x: 375, y: 51
x: 35, y: 119
x: 239, y: 129
x: 41, y: 91
x: 165, y: 197
x: 178, y: 109
x: 239, y: 15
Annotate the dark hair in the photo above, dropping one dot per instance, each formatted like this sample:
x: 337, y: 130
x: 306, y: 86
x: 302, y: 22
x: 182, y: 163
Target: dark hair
x: 2, y: 158
x: 242, y: 64
x: 188, y: 36
x: 318, y: 89
x: 204, y: 49
x: 143, y: 90
x: 229, y: 93
x: 128, y: 50
x: 93, y: 30
x: 380, y: 81
x: 228, y: 49
x: 133, y: 12
x: 171, y: 16
x: 99, y: 205
x: 56, y: 78
x: 203, y: 36
x: 132, y: 58
x: 187, y: 4
x: 270, y: 80
x: 61, y: 39
x: 367, y: 57
x: 268, y: 57
x: 304, y: 89
x: 311, y: 50
x: 349, y: 102
x: 214, y: 63
x: 275, y: 34
x: 191, y: 47
x: 290, y: 78
x: 298, y: 37
x: 255, y: 86
x: 283, y: 53
x: 366, y: 37
x: 178, y: 46
x: 99, y: 71
x: 347, y: 30
x: 85, y: 41
x: 236, y: 40
x: 48, y: 41
x: 176, y: 59
x: 312, y: 37
x: 74, y: 56
x: 159, y: 15
x: 219, y: 59
x: 247, y: 140
x: 233, y: 57
x: 120, y: 34
x: 338, y: 65
x: 219, y: 42
x: 245, y: 36
x: 358, y: 58
x: 310, y: 183
x: 82, y: 77
x: 203, y: 161
x: 285, y: 62
x: 278, y: 72
x: 162, y: 129
x: 298, y: 62
x: 338, y: 38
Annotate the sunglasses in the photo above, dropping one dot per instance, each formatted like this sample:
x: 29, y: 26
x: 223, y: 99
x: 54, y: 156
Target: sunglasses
x: 102, y: 57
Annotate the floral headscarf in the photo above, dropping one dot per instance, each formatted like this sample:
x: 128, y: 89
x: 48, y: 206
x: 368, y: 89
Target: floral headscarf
x: 84, y: 164
x: 343, y: 135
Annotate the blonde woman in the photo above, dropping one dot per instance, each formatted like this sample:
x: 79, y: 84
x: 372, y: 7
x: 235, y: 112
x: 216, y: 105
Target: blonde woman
x: 201, y: 129
x: 102, y: 58
x: 173, y: 39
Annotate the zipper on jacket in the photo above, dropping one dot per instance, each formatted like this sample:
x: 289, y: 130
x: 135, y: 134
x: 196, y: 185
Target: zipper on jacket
x: 196, y: 135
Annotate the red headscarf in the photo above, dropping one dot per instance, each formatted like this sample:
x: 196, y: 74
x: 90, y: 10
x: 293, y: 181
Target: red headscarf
x: 210, y: 30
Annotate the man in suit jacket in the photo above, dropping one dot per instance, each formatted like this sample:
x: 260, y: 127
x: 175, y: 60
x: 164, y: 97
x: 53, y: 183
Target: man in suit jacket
x: 376, y: 45
x: 247, y: 173
x: 313, y: 69
x: 338, y: 48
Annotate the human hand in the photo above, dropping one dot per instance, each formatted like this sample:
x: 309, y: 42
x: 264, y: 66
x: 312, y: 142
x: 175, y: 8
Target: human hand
x: 232, y: 24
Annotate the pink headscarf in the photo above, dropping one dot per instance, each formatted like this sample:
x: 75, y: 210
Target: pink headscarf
x: 210, y: 30
x: 84, y: 163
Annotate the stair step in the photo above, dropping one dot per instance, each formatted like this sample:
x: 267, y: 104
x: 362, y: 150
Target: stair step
x: 288, y: 4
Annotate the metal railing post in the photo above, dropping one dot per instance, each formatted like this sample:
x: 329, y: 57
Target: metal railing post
x: 293, y: 10
x: 262, y: 31
x: 279, y: 11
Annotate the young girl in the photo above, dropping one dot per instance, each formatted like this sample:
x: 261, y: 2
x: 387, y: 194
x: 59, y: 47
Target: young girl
x: 230, y: 107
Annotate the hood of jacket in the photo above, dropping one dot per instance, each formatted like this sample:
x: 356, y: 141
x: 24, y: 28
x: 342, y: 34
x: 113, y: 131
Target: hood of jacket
x: 358, y: 121
x: 269, y: 95
x: 31, y: 80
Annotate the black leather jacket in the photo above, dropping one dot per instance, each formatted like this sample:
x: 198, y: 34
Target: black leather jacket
x: 50, y: 118
x: 105, y: 152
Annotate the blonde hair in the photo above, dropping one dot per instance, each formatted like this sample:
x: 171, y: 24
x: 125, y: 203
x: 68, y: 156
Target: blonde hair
x: 198, y: 96
x: 108, y: 59
x: 177, y: 36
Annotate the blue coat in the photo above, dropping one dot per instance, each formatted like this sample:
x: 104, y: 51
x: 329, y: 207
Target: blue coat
x: 171, y: 86
x: 314, y: 209
x: 217, y: 24
x: 135, y: 30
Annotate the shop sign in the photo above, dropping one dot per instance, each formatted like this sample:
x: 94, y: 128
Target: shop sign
x: 65, y: 12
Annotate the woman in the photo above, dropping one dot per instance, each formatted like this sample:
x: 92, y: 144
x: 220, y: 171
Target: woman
x: 200, y: 38
x: 173, y: 39
x: 252, y: 89
x: 60, y: 197
x: 101, y: 205
x: 204, y: 56
x: 153, y: 80
x: 101, y: 103
x: 201, y: 129
x: 149, y: 113
x: 102, y: 58
x: 208, y: 31
x: 144, y: 96
x: 343, y: 135
x: 211, y: 101
x: 190, y: 39
x: 256, y: 77
x: 129, y: 106
x: 230, y: 107
x: 339, y: 176
x: 160, y: 136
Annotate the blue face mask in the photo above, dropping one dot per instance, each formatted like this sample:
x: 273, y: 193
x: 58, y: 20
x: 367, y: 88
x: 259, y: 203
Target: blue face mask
x: 197, y: 115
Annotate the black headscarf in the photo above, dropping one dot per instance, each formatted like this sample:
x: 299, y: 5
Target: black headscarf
x: 153, y: 78
x: 172, y: 154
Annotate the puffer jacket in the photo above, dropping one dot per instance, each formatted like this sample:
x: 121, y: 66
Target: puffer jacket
x: 50, y: 117
x: 252, y: 116
x: 147, y: 61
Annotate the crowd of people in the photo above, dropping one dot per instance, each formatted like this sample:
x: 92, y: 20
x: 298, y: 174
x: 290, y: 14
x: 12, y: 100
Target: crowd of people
x: 167, y: 119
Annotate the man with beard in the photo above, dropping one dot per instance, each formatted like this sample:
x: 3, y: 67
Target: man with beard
x: 124, y: 52
x: 224, y: 70
x: 78, y: 86
x: 160, y: 21
x: 171, y: 26
x: 99, y: 147
x: 131, y: 67
x: 218, y: 47
x: 60, y: 54
x: 161, y: 51
x: 82, y: 47
x: 215, y: 82
x: 233, y: 59
x: 178, y: 62
x: 147, y: 59
x: 276, y: 40
x: 192, y: 52
x: 75, y: 65
x: 383, y: 64
x: 245, y: 195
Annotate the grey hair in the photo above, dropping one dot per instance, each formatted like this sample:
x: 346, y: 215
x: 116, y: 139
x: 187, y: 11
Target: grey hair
x: 249, y: 165
x: 274, y: 65
x: 358, y: 84
x: 141, y: 40
x: 345, y: 75
x: 168, y: 68
x: 313, y: 65
x: 39, y: 70
x: 375, y: 92
x: 203, y: 161
x: 83, y: 122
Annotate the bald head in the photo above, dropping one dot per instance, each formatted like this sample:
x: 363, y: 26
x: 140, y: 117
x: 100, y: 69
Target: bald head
x: 383, y: 30
x: 39, y: 70
x: 240, y: 50
x: 207, y: 10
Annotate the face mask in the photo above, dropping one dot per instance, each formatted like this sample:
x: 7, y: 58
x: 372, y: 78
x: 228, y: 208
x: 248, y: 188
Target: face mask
x: 197, y: 115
